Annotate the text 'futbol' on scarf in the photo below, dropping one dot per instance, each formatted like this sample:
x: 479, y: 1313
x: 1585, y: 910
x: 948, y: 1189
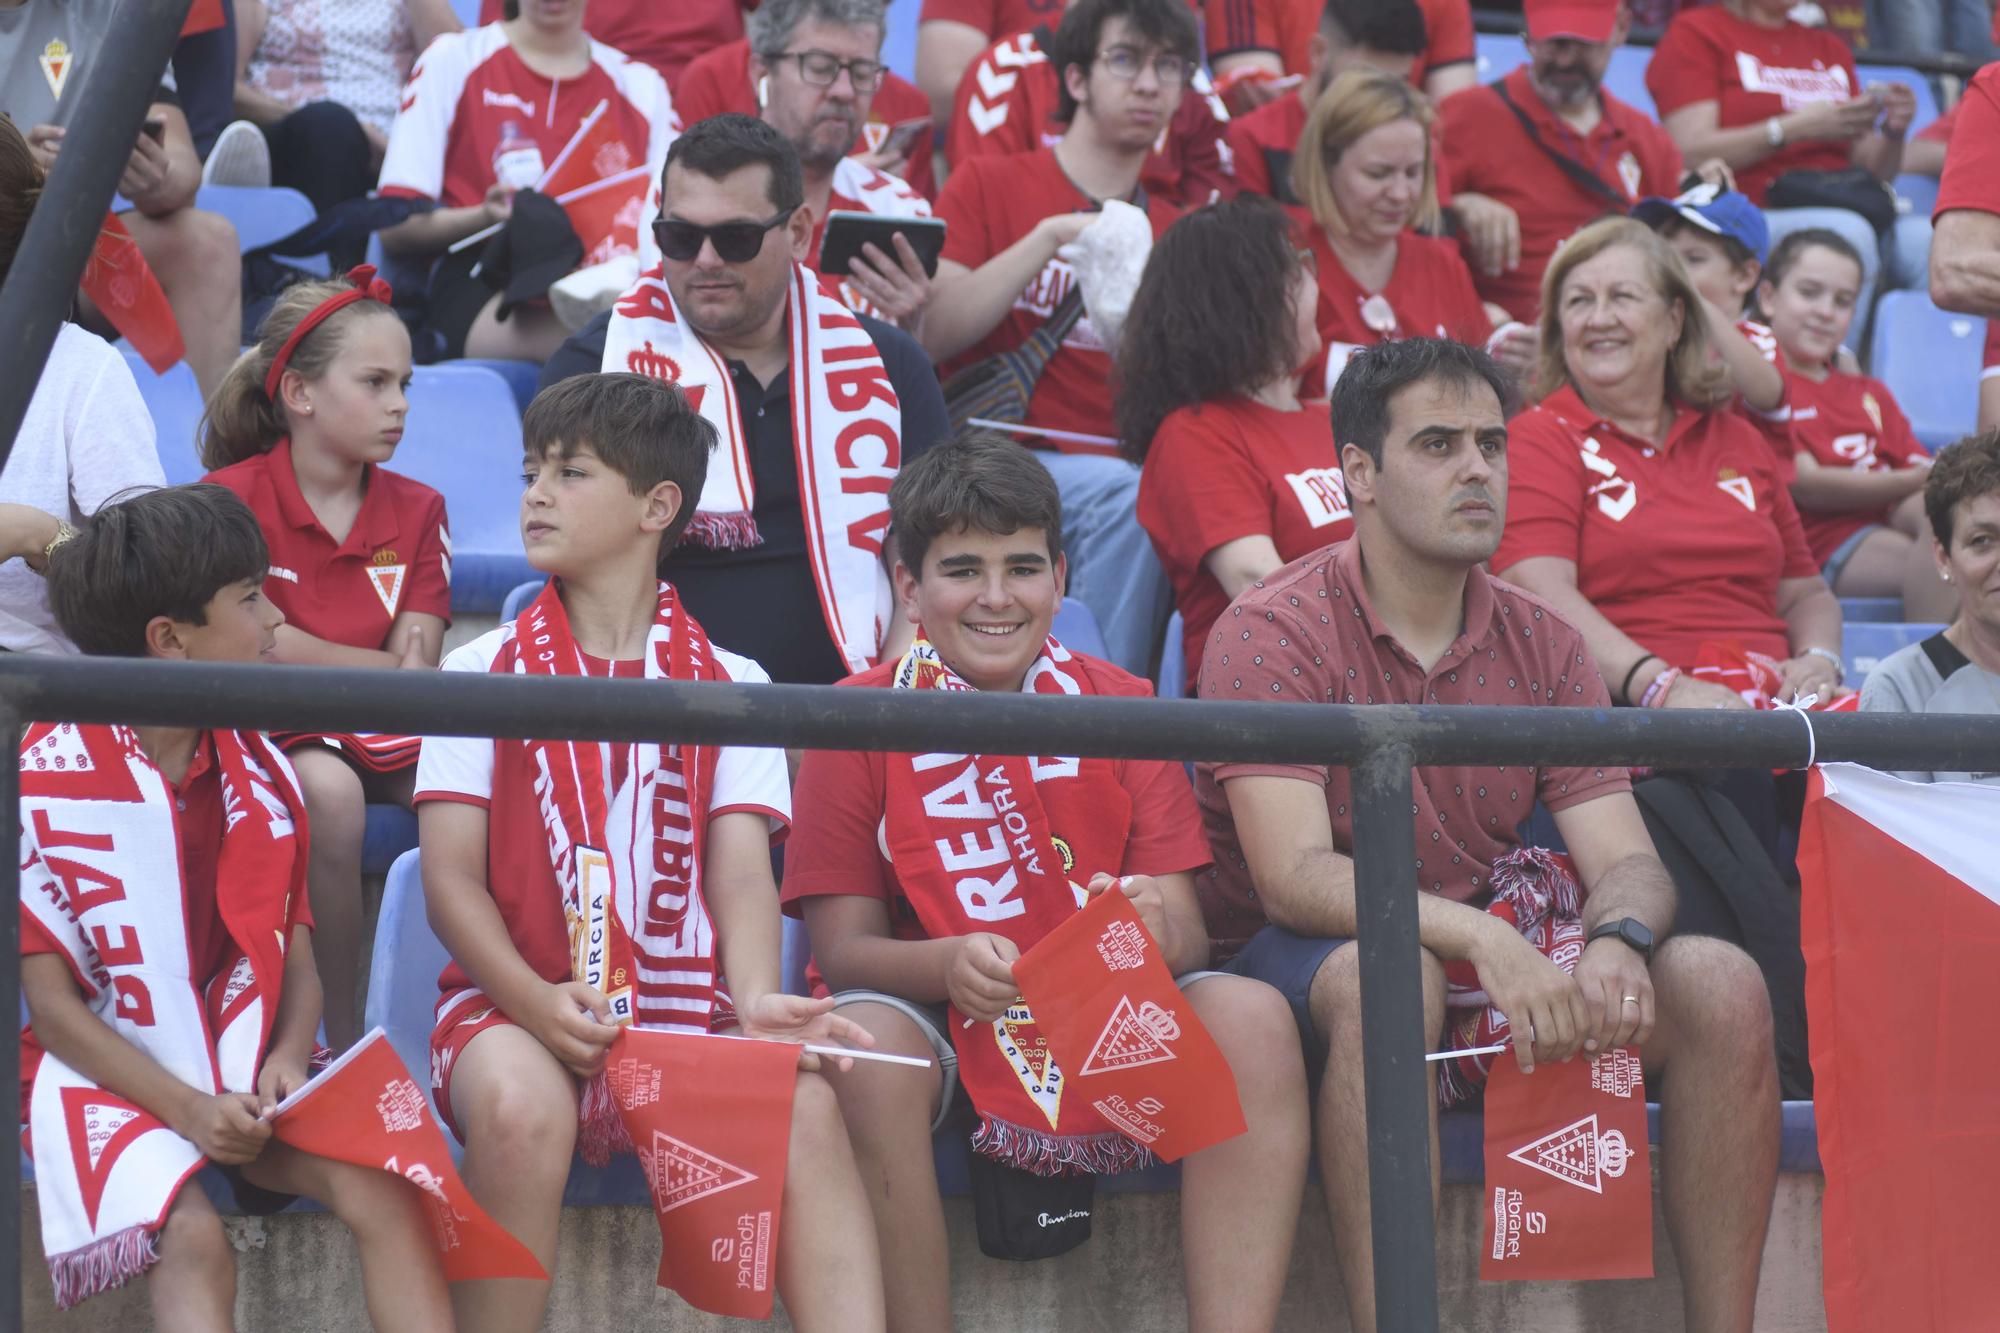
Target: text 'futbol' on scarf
x: 101, y: 877
x: 626, y: 833
x: 1001, y: 844
x: 847, y: 441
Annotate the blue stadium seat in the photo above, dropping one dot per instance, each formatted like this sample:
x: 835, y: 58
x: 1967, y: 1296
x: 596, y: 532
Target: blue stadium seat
x: 1496, y: 55
x: 521, y: 376
x: 518, y: 598
x: 464, y: 438
x: 390, y: 831
x: 1919, y: 192
x: 899, y: 42
x: 1870, y: 610
x: 1927, y: 107
x: 1625, y: 77
x: 1077, y: 629
x: 1929, y: 358
x: 260, y: 215
x: 1864, y: 645
x: 1173, y: 682
x: 403, y: 968
x: 174, y: 399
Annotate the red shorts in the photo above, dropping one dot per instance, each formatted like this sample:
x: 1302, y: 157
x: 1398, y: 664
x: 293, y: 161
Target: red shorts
x: 461, y: 1016
x: 371, y: 752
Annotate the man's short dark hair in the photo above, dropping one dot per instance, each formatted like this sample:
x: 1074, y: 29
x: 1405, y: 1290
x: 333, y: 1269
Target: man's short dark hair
x: 1395, y: 27
x: 1961, y: 472
x: 1165, y: 23
x: 975, y: 480
x: 643, y: 429
x: 1374, y: 375
x: 162, y: 552
x: 723, y: 145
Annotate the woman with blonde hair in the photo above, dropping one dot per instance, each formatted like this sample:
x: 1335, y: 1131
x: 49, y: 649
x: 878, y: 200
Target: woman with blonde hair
x: 1367, y: 175
x: 1646, y: 511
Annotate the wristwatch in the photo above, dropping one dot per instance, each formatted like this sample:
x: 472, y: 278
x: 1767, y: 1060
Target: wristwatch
x: 1631, y: 932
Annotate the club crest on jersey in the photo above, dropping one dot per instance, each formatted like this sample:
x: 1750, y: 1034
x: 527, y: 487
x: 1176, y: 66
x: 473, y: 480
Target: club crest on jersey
x: 1737, y: 486
x: 1873, y: 409
x: 385, y: 575
x: 1629, y: 175
x: 56, y: 62
x: 1029, y: 1056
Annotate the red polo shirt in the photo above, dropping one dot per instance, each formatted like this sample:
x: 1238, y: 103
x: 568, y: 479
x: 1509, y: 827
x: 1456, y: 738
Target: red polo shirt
x: 1752, y: 74
x: 1308, y: 635
x: 1848, y: 421
x: 1487, y: 152
x: 1430, y: 293
x: 396, y: 558
x: 1675, y: 545
x: 992, y: 202
x: 1287, y: 27
x: 1972, y: 160
x: 718, y: 81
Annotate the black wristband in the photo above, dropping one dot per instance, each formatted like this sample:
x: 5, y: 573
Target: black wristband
x: 1625, y: 690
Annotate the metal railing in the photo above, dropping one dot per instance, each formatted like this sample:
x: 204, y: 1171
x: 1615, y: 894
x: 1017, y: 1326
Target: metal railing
x: 1380, y: 745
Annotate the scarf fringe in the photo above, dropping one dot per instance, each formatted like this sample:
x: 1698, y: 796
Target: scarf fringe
x: 1538, y: 884
x: 723, y: 532
x: 1056, y: 1155
x: 601, y: 1135
x: 103, y: 1264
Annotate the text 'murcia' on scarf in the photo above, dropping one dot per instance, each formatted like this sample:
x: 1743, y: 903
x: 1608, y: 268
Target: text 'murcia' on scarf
x: 628, y: 859
x: 847, y: 442
x: 101, y: 875
x: 999, y: 844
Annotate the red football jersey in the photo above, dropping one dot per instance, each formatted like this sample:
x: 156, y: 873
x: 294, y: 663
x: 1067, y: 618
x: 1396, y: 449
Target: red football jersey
x: 1487, y: 152
x: 1848, y: 421
x: 1430, y: 295
x: 1675, y: 545
x: 992, y: 202
x: 665, y: 36
x: 1287, y: 27
x: 471, y: 98
x: 1236, y: 468
x: 1007, y: 103
x: 719, y: 82
x: 1751, y: 74
x: 396, y: 557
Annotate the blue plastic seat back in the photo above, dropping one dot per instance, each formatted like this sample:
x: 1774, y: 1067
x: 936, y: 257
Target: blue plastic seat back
x: 1173, y: 681
x: 1930, y: 359
x: 518, y: 598
x: 1864, y: 645
x: 261, y: 215
x: 1077, y: 629
x: 1497, y: 55
x: 1870, y: 610
x: 1625, y: 77
x: 523, y: 377
x: 403, y: 968
x: 174, y: 400
x: 463, y: 437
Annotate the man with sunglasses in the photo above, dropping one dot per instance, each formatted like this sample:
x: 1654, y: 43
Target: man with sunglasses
x: 814, y: 415
x: 1124, y: 65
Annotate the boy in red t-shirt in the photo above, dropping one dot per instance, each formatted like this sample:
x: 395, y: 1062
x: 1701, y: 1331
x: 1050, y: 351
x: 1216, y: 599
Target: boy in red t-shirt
x: 167, y: 945
x: 980, y: 573
x: 683, y: 833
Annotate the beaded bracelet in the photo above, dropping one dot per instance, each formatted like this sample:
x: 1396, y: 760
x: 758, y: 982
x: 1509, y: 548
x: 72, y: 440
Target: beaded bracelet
x: 1656, y: 693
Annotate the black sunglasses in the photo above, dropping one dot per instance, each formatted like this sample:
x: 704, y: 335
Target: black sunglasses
x: 735, y: 242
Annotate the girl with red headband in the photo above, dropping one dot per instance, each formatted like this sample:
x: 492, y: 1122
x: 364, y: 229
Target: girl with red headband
x: 360, y: 559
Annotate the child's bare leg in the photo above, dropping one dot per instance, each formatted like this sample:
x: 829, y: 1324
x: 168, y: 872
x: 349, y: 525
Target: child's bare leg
x: 339, y: 814
x: 517, y: 1107
x: 829, y: 1269
x: 400, y: 1276
x: 888, y: 1110
x: 193, y: 1286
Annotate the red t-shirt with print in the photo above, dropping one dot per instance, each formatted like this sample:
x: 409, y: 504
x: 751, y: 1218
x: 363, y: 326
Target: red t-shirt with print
x: 1308, y: 635
x: 1237, y: 468
x: 1752, y: 74
x: 1852, y: 422
x: 1430, y: 294
x: 1675, y: 545
x: 992, y: 202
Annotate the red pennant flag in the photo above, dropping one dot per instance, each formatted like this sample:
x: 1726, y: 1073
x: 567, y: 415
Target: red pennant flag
x: 1569, y: 1183
x: 121, y: 284
x: 1130, y: 1040
x: 594, y: 152
x: 203, y: 16
x: 711, y: 1120
x: 1900, y: 923
x: 364, y: 1108
x: 606, y: 214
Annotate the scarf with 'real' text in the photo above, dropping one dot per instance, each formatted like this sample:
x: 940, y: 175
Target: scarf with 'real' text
x: 847, y: 441
x: 628, y: 858
x: 101, y: 877
x: 1001, y: 844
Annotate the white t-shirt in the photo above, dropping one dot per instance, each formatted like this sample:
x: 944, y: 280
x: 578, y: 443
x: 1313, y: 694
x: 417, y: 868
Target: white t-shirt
x: 354, y: 52
x: 87, y: 437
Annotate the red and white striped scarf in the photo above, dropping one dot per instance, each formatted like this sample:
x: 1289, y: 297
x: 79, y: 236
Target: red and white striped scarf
x: 628, y: 858
x: 101, y: 875
x: 847, y: 442
x: 1001, y: 844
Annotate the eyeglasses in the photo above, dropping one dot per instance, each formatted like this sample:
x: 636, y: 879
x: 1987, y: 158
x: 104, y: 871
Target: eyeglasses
x: 734, y: 242
x: 821, y: 68
x: 1125, y: 62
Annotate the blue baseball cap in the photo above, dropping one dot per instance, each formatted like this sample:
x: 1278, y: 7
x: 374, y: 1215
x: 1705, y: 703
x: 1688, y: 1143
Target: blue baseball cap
x: 1722, y: 212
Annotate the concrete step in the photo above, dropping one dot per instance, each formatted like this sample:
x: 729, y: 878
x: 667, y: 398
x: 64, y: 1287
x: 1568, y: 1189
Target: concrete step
x: 298, y: 1272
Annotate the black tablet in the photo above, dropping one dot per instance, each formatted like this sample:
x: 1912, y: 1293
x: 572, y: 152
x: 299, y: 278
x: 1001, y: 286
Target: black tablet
x: 847, y: 232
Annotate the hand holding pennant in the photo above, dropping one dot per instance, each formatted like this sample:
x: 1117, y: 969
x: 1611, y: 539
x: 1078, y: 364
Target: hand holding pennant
x: 711, y: 1120
x: 1134, y: 1048
x: 1569, y: 1182
x: 365, y: 1109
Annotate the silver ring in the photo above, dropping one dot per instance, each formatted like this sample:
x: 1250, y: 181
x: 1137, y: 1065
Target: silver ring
x: 1631, y: 999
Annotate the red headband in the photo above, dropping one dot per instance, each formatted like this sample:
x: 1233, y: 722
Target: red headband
x: 367, y: 287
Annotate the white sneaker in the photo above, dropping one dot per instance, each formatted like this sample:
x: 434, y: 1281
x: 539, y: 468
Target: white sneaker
x: 240, y: 157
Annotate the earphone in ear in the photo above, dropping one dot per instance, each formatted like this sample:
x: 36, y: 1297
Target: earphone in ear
x: 763, y: 90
